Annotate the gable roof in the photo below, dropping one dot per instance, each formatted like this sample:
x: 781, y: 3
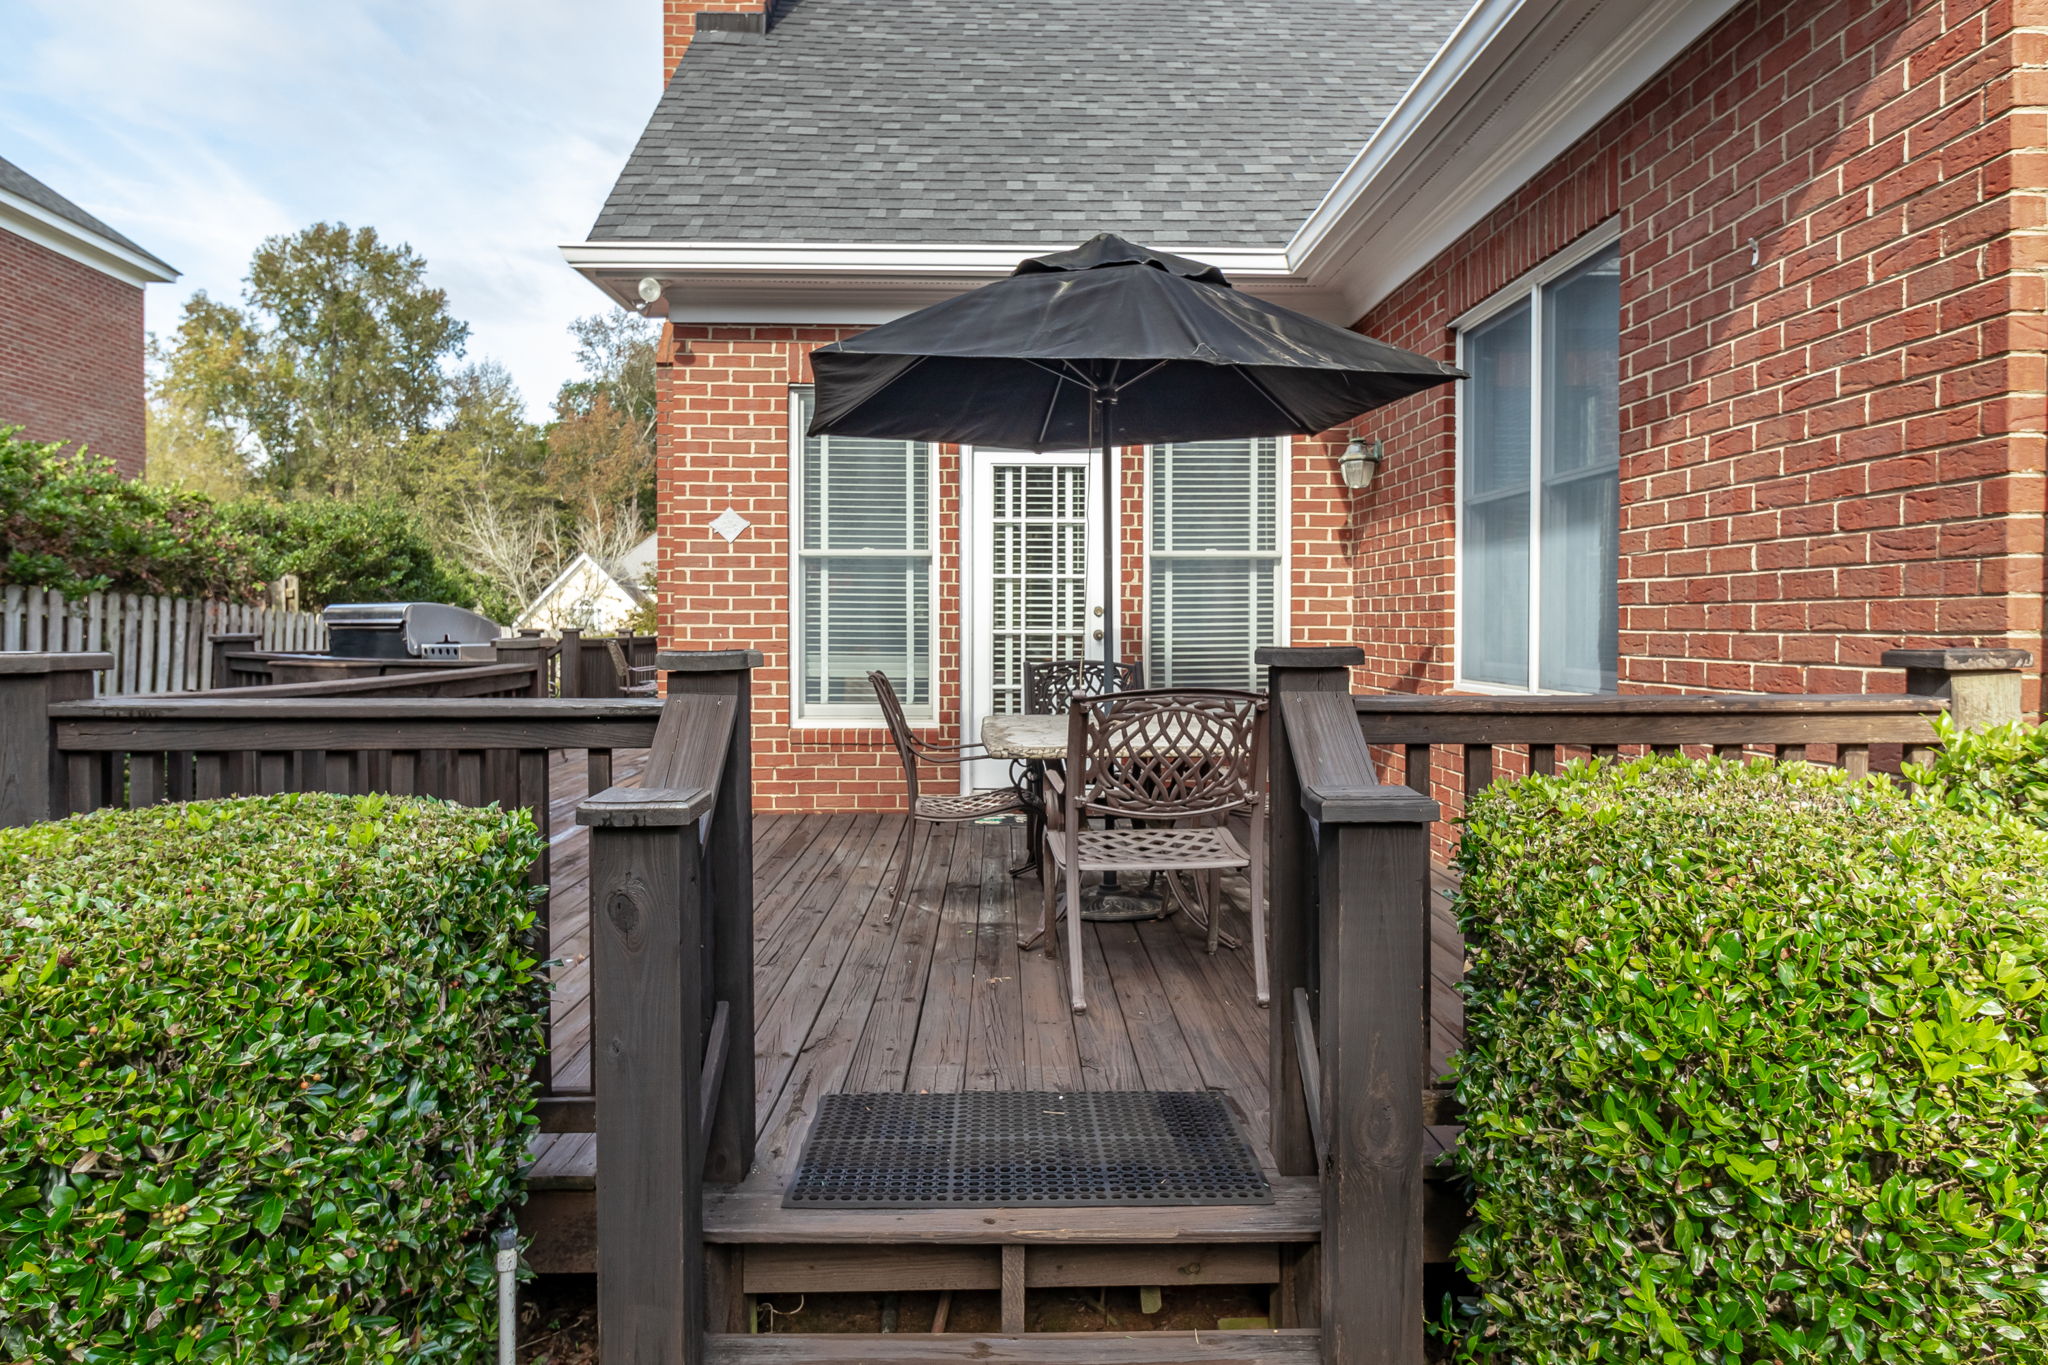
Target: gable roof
x: 1181, y: 123
x: 37, y: 212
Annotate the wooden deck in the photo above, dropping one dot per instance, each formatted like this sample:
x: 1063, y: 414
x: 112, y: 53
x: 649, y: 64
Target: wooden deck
x: 942, y: 999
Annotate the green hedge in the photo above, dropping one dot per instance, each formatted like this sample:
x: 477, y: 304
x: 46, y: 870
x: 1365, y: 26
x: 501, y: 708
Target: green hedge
x: 263, y: 1078
x: 1991, y: 771
x: 1752, y: 1071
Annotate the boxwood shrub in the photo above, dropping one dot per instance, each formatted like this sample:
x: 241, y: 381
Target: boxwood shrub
x: 263, y: 1078
x: 1753, y: 1071
x: 1993, y: 770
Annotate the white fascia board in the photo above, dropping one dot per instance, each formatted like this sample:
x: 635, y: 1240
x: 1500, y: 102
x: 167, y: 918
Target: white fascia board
x: 27, y: 219
x: 1513, y: 89
x: 858, y: 284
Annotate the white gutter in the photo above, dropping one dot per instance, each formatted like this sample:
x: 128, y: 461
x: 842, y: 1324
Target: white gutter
x: 28, y: 219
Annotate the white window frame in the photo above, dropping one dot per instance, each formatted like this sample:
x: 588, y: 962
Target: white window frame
x: 840, y: 715
x: 1528, y: 288
x: 1283, y: 527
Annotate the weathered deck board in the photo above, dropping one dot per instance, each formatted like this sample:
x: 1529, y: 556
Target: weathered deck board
x: 941, y: 998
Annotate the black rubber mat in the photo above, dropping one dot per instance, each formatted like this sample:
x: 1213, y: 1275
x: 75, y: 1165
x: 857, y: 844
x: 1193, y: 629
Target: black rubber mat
x: 1029, y: 1149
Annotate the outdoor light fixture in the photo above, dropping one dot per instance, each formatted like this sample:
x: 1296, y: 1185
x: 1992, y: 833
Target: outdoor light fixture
x: 650, y: 290
x: 1359, y: 462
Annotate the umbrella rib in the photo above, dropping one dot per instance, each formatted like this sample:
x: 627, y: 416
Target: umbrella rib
x: 1267, y: 394
x: 1119, y: 388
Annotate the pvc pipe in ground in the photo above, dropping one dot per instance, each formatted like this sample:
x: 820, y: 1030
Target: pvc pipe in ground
x: 508, y: 1296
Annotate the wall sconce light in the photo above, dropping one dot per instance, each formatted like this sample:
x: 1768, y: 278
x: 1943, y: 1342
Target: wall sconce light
x: 1359, y: 462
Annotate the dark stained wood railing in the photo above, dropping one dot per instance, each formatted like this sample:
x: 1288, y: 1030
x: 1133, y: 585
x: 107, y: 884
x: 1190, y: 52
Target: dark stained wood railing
x: 672, y: 914
x: 1350, y: 856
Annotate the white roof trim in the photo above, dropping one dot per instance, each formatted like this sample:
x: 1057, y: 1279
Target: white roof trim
x: 1513, y: 87
x: 26, y: 218
x: 1511, y: 91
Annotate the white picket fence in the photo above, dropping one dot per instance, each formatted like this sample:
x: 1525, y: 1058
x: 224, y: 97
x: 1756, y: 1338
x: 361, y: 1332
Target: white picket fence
x: 158, y: 643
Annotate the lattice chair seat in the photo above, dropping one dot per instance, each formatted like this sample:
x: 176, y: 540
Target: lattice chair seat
x: 972, y: 806
x: 1143, y: 850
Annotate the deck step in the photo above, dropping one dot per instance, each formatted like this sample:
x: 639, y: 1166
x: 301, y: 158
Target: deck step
x: 1048, y: 1348
x: 752, y: 1214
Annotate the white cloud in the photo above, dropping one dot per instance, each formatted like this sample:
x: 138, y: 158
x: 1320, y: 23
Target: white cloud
x: 483, y: 133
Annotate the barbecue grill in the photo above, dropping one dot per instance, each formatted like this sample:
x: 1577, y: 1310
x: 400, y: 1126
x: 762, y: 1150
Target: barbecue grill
x: 404, y: 630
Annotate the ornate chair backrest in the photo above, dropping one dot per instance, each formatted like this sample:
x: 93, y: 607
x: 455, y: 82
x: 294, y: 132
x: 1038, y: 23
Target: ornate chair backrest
x: 899, y: 729
x: 1048, y: 685
x: 1167, y: 753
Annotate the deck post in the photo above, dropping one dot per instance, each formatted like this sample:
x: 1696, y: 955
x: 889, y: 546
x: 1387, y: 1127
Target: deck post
x: 33, y: 780
x: 531, y: 650
x: 729, y: 867
x: 647, y: 993
x: 223, y: 643
x: 1292, y: 941
x: 1981, y: 686
x: 1372, y: 965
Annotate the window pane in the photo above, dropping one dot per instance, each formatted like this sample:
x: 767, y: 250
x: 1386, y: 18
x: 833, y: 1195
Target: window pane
x: 1494, y: 474
x: 1216, y: 495
x: 1214, y: 579
x: 1581, y: 477
x: 1208, y: 616
x: 864, y: 575
x: 862, y: 614
x: 1496, y: 634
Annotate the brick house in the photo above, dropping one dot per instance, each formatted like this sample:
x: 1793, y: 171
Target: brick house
x: 1750, y: 294
x: 71, y: 334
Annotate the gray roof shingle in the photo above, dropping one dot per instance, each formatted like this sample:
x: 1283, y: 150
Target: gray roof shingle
x: 1182, y: 123
x: 17, y: 181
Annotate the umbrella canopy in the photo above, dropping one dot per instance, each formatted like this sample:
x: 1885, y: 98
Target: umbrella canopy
x: 1026, y: 362
x: 1109, y: 343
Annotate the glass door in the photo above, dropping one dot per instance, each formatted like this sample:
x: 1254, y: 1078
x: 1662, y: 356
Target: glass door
x: 1033, y: 583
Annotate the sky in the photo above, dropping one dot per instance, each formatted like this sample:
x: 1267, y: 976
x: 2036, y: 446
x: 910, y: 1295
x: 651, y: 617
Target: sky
x: 483, y: 132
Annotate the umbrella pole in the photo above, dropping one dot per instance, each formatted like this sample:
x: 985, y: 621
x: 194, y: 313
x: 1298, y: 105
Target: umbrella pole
x: 1111, y: 490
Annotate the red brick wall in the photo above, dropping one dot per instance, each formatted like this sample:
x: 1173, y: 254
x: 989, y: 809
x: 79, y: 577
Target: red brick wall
x: 70, y: 352
x: 679, y: 25
x: 724, y: 442
x: 1833, y: 452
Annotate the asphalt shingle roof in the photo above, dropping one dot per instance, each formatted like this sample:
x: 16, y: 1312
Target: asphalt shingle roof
x: 17, y: 181
x: 1182, y: 123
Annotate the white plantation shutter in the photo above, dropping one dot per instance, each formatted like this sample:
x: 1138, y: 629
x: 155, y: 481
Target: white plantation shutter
x: 864, y: 572
x: 1213, y: 551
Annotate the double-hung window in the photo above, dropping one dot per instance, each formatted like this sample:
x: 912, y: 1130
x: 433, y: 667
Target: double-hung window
x: 1539, y: 479
x: 863, y: 569
x: 1215, y: 580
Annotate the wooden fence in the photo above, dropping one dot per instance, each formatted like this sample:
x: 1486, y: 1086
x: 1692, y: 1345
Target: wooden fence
x: 158, y: 643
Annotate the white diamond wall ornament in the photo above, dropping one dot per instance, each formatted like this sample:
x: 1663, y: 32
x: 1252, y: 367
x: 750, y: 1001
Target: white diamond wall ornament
x: 729, y: 524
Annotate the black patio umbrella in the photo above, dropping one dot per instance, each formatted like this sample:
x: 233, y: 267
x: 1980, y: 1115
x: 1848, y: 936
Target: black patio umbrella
x: 1110, y: 342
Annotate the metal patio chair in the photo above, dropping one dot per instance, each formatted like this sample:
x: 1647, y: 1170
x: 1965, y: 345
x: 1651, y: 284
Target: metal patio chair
x: 634, y: 681
x: 924, y: 811
x: 1048, y: 686
x: 1178, y: 763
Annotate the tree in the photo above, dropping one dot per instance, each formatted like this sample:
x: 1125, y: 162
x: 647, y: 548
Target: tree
x: 330, y: 371
x: 69, y: 521
x: 357, y: 552
x: 601, y: 445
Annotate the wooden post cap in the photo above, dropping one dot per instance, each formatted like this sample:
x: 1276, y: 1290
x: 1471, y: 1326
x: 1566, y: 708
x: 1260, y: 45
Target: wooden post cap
x: 1958, y: 660
x: 32, y: 661
x: 707, y: 660
x: 1321, y: 656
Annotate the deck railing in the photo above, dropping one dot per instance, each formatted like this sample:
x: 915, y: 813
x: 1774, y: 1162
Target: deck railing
x: 1350, y: 856
x: 672, y: 934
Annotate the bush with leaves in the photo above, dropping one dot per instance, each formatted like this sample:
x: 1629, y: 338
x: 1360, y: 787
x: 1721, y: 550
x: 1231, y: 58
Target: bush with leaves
x: 1753, y: 1071
x: 357, y: 552
x: 69, y: 521
x: 1993, y: 770
x: 264, y: 1079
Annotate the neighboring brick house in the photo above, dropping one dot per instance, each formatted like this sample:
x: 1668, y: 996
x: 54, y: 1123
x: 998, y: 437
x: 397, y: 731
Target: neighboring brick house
x: 71, y: 335
x: 1750, y: 293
